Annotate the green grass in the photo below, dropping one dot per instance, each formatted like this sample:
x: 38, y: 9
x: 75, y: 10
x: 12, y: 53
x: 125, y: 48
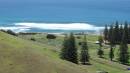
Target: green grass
x: 97, y: 63
x: 23, y: 56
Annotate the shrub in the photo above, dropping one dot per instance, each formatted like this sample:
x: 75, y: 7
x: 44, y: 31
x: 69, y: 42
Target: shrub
x: 78, y: 37
x: 3, y: 30
x: 33, y: 39
x: 50, y: 36
x: 100, y: 53
x: 80, y: 43
x: 11, y: 32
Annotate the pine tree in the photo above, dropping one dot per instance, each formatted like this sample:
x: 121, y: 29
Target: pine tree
x: 116, y: 33
x: 105, y: 33
x: 112, y: 42
x: 100, y: 50
x: 100, y: 39
x: 69, y: 50
x: 124, y: 55
x: 110, y: 35
x: 111, y: 53
x: 126, y: 32
x: 121, y: 33
x: 64, y: 50
x: 84, y: 58
x: 72, y: 49
x: 129, y: 34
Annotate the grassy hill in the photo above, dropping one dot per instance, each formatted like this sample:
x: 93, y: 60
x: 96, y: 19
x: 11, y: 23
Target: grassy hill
x: 19, y: 55
x: 22, y: 56
x: 98, y: 64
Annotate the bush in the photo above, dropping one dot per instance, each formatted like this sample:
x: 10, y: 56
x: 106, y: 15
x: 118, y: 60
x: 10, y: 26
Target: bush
x: 100, y: 53
x: 3, y: 30
x: 50, y: 36
x: 78, y: 37
x: 11, y: 32
x: 80, y: 43
x: 33, y: 39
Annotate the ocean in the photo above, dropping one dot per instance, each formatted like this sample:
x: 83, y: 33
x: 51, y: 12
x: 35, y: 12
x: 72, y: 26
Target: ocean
x: 87, y: 15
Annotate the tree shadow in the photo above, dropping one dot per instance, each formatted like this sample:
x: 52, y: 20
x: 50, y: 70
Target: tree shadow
x: 86, y: 63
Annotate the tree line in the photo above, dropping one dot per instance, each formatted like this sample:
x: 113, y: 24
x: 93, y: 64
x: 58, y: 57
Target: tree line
x: 115, y: 34
x: 118, y: 34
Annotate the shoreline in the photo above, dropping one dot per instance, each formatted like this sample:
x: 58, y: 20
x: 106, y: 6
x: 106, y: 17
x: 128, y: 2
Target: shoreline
x: 53, y: 27
x: 57, y: 33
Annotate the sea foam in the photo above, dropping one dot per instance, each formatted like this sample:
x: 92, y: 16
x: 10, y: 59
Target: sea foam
x: 22, y: 27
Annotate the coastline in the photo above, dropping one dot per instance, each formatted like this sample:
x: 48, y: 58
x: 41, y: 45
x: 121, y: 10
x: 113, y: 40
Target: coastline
x: 53, y: 27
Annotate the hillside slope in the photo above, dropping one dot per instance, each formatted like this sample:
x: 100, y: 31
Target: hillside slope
x: 98, y: 64
x: 22, y: 56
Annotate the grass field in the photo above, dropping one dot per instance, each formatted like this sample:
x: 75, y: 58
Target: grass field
x: 19, y: 55
x: 23, y: 56
x: 97, y: 63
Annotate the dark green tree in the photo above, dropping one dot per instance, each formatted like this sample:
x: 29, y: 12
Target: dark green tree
x: 64, y: 50
x: 100, y: 50
x: 100, y: 40
x: 126, y: 32
x: 72, y: 49
x: 124, y: 57
x: 129, y: 34
x: 111, y: 53
x: 121, y: 33
x: 110, y: 35
x: 105, y: 33
x: 69, y: 50
x: 123, y: 51
x: 84, y: 58
x: 116, y: 33
x: 112, y: 42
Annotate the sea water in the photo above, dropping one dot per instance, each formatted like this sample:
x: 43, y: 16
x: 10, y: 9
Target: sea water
x: 93, y: 12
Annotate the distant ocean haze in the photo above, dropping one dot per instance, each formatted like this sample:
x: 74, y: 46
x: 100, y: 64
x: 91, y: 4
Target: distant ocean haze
x: 41, y: 12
